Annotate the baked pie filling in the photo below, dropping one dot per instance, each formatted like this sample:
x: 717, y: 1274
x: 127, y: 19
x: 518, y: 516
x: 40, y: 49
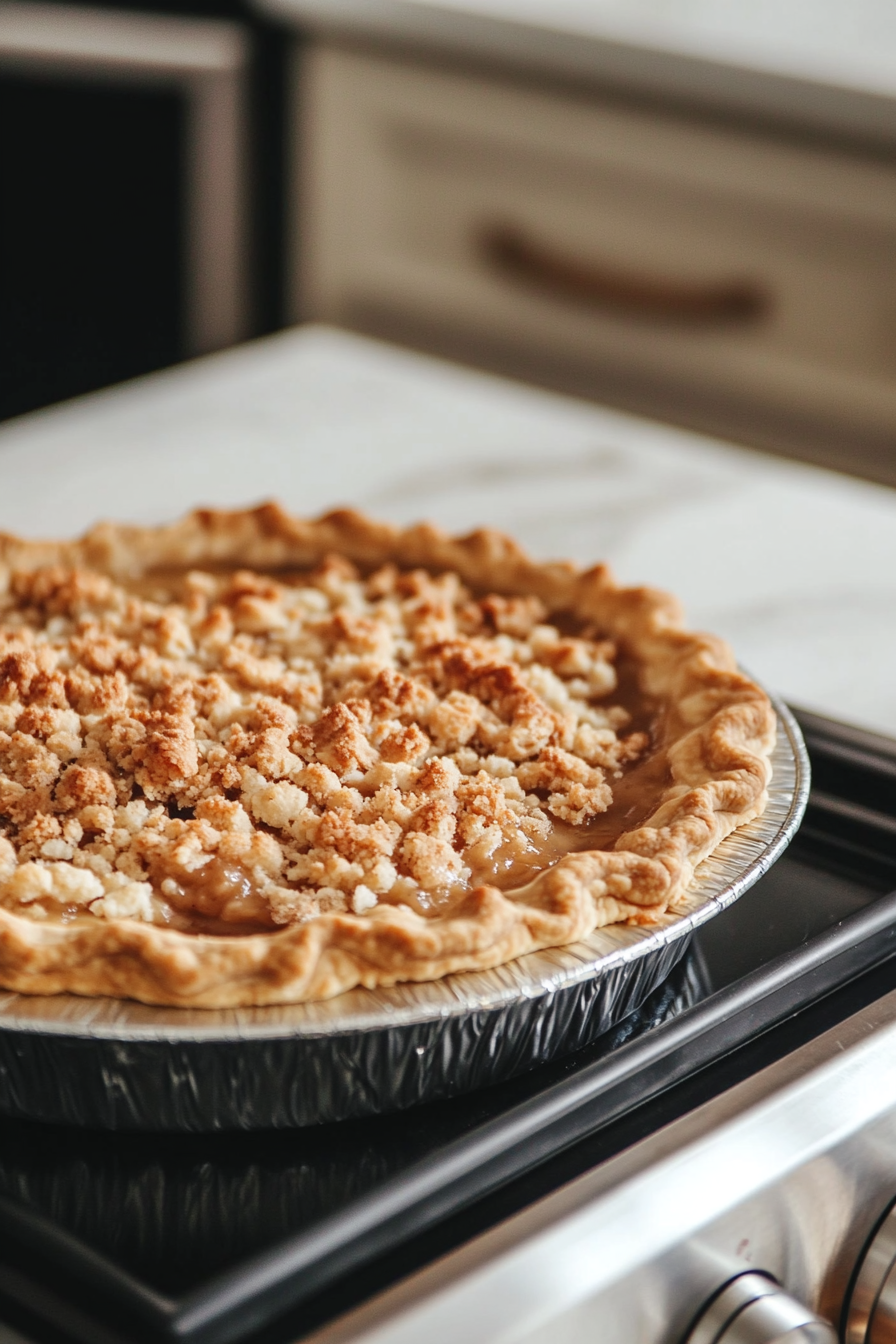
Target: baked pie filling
x: 225, y: 784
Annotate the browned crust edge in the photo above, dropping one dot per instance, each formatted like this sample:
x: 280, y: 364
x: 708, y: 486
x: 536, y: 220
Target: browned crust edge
x: 719, y: 766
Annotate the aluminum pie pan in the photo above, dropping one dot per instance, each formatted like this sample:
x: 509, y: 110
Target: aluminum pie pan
x: 116, y: 1064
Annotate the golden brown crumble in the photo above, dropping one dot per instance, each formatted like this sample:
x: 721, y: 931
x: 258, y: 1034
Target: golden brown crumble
x: 235, y: 752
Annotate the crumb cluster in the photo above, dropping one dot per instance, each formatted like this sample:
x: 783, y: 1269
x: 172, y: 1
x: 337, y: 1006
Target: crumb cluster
x: 234, y: 752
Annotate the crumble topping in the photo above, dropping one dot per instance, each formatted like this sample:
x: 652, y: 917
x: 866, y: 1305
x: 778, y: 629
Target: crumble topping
x: 234, y: 752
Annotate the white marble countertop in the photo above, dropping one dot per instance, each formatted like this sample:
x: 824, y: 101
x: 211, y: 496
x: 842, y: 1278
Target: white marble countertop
x: 796, y: 566
x: 829, y: 63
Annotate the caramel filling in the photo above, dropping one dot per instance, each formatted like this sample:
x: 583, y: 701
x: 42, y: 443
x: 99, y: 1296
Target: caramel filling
x: 229, y: 752
x: 223, y: 899
x: 219, y: 897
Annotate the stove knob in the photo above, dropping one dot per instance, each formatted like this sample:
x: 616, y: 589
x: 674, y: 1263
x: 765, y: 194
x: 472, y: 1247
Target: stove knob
x: 871, y: 1311
x: 754, y: 1309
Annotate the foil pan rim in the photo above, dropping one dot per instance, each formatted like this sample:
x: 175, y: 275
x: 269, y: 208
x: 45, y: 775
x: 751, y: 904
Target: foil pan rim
x: 736, y: 864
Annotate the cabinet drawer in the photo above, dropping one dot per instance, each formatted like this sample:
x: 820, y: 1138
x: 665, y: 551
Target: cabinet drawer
x: 711, y: 258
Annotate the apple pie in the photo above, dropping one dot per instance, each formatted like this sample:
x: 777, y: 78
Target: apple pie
x: 250, y: 759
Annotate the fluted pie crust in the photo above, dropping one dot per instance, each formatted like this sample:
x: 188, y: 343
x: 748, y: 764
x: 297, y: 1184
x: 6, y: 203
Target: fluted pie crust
x: 720, y: 730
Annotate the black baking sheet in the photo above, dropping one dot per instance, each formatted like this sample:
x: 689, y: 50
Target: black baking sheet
x: 207, y: 1238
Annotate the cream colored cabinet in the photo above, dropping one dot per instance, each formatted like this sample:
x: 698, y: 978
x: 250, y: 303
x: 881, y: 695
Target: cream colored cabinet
x: 736, y: 278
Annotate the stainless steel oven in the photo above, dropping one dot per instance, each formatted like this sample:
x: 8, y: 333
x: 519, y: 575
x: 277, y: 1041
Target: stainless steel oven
x: 719, y: 1168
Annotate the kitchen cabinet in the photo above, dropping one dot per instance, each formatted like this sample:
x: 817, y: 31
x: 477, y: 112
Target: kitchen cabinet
x: 692, y: 259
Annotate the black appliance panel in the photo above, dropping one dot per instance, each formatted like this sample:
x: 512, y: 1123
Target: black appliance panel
x: 213, y: 1237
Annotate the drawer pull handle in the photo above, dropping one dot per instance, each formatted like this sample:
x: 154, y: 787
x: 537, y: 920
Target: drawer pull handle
x: 514, y: 255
